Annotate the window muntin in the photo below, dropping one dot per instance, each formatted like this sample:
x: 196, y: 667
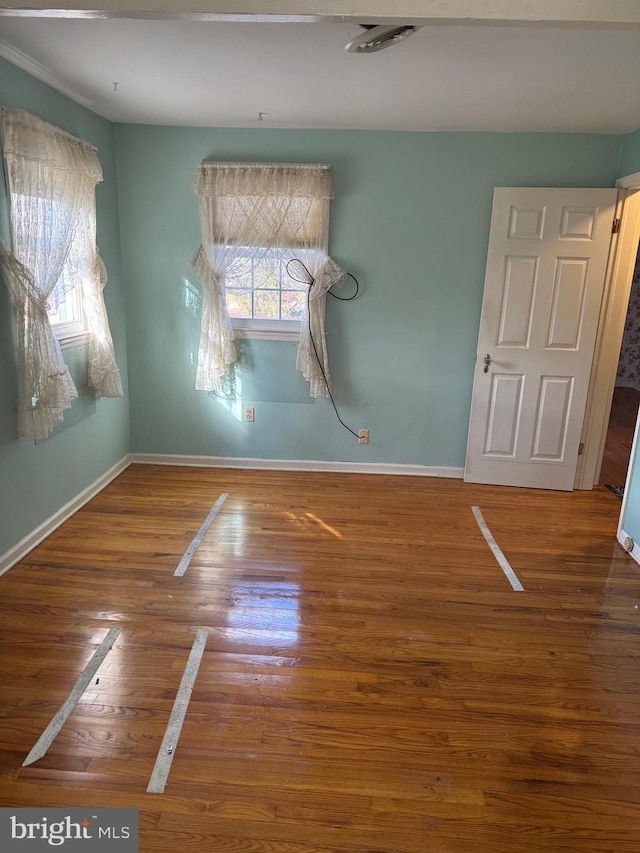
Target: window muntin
x: 265, y: 207
x: 260, y: 288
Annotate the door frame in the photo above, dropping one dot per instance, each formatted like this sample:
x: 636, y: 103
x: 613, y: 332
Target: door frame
x: 615, y: 301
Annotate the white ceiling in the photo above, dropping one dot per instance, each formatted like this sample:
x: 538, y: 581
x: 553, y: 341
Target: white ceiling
x: 224, y: 73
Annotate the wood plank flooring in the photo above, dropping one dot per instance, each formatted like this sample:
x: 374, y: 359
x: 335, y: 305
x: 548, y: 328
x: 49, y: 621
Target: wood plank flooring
x: 370, y: 684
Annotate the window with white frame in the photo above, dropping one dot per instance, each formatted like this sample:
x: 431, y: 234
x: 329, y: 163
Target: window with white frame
x: 64, y: 303
x: 258, y: 220
x: 263, y: 291
x: 66, y: 315
x: 53, y: 268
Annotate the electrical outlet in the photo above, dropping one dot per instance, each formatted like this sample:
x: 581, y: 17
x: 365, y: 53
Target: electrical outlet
x: 249, y: 414
x: 363, y: 436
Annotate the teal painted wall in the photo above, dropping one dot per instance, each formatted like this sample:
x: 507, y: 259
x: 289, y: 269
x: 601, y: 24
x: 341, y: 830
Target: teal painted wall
x: 36, y: 480
x: 630, y: 521
x: 410, y: 220
x: 629, y: 154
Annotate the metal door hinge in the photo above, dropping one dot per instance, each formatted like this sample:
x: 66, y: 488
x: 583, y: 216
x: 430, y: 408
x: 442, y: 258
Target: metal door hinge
x: 615, y: 226
x: 581, y: 448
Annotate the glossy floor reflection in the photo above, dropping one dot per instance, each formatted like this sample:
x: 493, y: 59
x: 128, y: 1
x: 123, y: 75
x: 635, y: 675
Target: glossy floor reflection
x: 370, y: 681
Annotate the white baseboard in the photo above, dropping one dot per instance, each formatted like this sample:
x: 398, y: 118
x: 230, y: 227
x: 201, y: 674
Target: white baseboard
x: 19, y: 551
x: 296, y: 465
x: 22, y: 548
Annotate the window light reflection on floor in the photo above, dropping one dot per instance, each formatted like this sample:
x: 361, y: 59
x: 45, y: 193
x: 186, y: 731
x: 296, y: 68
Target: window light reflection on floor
x: 266, y: 610
x: 308, y: 519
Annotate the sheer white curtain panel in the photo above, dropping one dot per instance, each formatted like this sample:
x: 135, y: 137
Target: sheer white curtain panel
x: 45, y: 388
x: 274, y: 213
x: 51, y: 183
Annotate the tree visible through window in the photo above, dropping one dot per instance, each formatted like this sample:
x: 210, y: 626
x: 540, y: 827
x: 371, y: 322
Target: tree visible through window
x: 256, y: 218
x: 261, y: 289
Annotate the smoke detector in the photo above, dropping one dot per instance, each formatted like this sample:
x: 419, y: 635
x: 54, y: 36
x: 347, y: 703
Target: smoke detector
x: 377, y: 38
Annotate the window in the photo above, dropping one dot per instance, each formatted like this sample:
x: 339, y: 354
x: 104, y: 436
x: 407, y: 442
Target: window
x: 256, y: 219
x: 64, y: 303
x: 53, y: 270
x: 65, y: 315
x: 262, y: 290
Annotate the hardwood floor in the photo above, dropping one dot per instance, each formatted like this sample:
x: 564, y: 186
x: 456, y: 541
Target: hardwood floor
x: 370, y: 684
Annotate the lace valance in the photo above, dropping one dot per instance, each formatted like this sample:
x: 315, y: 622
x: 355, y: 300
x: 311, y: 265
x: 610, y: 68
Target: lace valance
x: 308, y: 180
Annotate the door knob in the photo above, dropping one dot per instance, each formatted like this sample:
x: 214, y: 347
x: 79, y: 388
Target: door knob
x: 487, y: 362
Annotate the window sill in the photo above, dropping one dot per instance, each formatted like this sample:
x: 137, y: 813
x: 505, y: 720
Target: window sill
x: 67, y: 340
x: 266, y: 335
x: 271, y: 330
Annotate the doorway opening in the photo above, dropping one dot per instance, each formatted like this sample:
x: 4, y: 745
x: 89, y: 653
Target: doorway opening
x: 626, y: 396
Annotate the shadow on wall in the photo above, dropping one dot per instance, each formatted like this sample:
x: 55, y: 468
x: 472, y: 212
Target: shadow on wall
x: 84, y: 406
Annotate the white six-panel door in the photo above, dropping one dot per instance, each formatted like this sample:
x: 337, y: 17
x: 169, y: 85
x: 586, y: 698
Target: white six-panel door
x: 544, y: 281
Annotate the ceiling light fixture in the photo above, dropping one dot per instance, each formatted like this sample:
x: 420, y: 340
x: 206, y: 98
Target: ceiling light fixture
x: 377, y: 38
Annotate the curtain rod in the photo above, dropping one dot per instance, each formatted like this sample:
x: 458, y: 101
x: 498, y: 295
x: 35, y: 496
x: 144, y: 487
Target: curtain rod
x: 241, y: 163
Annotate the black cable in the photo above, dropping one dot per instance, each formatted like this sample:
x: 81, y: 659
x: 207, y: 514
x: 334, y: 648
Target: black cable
x: 347, y: 298
x: 311, y: 282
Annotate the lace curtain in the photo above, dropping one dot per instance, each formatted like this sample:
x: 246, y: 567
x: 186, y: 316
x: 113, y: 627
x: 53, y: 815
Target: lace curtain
x: 273, y: 213
x: 51, y: 183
